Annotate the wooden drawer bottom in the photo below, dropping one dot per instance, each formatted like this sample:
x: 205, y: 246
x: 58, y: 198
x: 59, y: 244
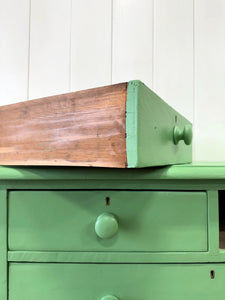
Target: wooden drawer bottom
x: 125, y: 282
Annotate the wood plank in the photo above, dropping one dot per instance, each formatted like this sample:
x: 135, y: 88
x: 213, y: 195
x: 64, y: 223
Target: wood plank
x: 14, y: 31
x: 209, y: 117
x: 90, y: 44
x: 132, y: 41
x: 49, y: 48
x: 173, y: 54
x: 124, y: 125
x: 85, y: 128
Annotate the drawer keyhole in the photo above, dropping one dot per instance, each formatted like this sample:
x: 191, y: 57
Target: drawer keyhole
x: 212, y: 274
x: 107, y: 201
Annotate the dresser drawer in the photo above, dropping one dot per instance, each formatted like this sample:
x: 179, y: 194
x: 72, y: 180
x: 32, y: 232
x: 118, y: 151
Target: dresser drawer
x: 120, y: 281
x: 107, y: 221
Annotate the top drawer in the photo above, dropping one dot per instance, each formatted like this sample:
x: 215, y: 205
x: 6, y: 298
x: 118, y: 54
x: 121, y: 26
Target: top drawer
x: 125, y: 220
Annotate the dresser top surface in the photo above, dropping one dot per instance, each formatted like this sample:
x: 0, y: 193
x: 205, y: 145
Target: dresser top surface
x: 194, y: 171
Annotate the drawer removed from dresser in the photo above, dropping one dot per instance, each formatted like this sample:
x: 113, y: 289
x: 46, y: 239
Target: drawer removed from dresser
x: 130, y: 221
x: 120, y: 126
x: 116, y: 281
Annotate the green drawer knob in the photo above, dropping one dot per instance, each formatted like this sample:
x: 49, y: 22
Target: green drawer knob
x: 106, y: 226
x: 109, y: 297
x: 185, y: 134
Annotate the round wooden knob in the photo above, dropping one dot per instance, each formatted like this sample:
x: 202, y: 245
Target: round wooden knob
x: 185, y: 134
x: 110, y: 297
x: 106, y: 226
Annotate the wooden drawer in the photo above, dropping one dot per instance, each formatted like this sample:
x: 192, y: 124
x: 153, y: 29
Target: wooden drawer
x: 123, y: 281
x: 122, y: 125
x: 129, y: 221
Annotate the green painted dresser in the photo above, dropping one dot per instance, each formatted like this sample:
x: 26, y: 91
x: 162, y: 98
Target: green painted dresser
x: 108, y: 234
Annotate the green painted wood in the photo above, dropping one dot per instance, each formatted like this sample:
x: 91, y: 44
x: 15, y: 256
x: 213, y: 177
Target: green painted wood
x: 113, y: 257
x: 194, y: 171
x: 132, y: 124
x: 106, y: 226
x: 182, y: 135
x: 213, y: 222
x: 124, y: 281
x: 150, y: 126
x: 181, y: 185
x: 109, y: 297
x: 3, y: 245
x: 116, y: 257
x: 44, y: 216
x: 148, y: 220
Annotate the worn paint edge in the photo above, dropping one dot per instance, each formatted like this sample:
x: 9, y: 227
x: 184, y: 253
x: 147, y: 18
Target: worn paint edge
x: 132, y: 123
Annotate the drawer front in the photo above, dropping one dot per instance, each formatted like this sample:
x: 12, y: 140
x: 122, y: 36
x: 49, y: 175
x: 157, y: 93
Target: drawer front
x: 129, y: 221
x: 123, y: 281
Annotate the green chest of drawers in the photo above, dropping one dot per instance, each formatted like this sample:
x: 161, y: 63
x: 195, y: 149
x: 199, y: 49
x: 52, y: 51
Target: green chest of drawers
x: 107, y: 234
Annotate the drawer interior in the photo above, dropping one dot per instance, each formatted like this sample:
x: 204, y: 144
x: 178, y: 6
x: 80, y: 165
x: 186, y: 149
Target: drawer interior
x: 135, y: 281
x: 147, y: 220
x: 222, y: 219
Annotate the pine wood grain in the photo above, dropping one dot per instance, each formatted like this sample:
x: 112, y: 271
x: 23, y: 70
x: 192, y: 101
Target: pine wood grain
x: 85, y: 128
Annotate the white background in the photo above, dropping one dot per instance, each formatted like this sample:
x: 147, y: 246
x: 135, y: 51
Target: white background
x: 176, y: 47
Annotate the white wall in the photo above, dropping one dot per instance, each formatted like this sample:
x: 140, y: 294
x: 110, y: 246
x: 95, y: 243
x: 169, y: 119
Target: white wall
x: 176, y: 47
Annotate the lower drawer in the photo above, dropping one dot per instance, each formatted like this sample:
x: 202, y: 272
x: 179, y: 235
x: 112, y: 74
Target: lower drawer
x: 123, y: 281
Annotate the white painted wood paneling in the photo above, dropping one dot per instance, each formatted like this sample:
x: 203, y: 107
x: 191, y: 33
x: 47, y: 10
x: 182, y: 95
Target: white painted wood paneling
x: 132, y: 40
x: 173, y: 54
x: 90, y: 44
x: 49, y: 47
x: 14, y: 40
x: 209, y: 117
x: 79, y: 44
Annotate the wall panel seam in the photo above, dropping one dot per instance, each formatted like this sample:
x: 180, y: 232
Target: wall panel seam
x: 70, y: 45
x: 111, y: 54
x: 28, y: 52
x: 153, y: 41
x: 194, y: 80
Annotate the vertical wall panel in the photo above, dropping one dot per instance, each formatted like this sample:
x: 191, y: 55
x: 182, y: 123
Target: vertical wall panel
x: 173, y: 53
x: 90, y: 44
x: 209, y: 80
x: 14, y: 37
x: 49, y: 47
x: 132, y: 40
